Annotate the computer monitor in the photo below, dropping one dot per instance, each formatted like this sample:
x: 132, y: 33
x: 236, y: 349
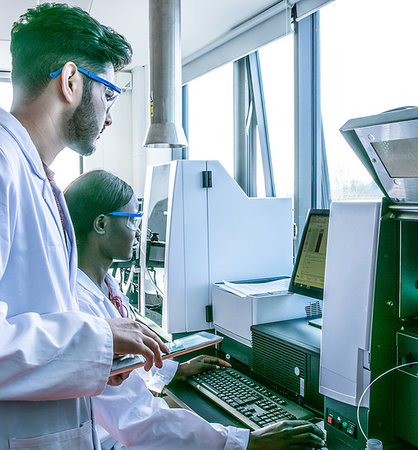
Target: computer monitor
x: 309, y: 269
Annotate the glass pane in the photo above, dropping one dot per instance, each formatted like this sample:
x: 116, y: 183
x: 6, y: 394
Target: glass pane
x: 66, y: 167
x: 211, y: 128
x: 276, y: 60
x: 157, y: 226
x: 365, y: 70
x: 6, y: 95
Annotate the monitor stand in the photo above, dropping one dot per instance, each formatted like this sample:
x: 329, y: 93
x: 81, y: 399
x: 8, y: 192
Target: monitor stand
x: 317, y: 323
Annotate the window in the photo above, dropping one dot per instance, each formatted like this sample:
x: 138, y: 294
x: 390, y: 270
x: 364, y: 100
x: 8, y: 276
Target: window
x: 276, y: 60
x: 367, y: 67
x: 211, y: 117
x: 6, y: 95
x: 66, y: 167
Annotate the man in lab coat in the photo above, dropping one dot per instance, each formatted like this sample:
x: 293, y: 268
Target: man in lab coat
x: 52, y: 356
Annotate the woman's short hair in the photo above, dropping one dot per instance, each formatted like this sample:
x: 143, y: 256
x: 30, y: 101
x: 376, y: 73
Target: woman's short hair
x: 94, y: 193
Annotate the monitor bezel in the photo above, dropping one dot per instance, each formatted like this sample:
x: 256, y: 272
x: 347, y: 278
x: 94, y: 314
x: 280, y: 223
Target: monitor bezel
x: 312, y: 292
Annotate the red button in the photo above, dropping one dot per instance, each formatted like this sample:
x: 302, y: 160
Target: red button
x: 330, y: 420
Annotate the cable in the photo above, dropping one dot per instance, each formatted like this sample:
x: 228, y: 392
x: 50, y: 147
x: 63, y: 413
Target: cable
x: 154, y: 282
x: 370, y: 385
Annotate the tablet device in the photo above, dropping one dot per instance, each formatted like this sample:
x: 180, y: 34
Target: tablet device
x: 177, y: 347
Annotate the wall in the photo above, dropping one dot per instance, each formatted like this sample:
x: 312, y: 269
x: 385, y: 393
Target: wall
x: 120, y: 149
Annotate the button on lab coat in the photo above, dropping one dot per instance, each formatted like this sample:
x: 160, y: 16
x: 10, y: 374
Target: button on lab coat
x: 51, y: 355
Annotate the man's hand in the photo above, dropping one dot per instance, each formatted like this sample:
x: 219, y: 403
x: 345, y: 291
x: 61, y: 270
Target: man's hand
x: 289, y: 434
x: 132, y: 337
x: 197, y: 365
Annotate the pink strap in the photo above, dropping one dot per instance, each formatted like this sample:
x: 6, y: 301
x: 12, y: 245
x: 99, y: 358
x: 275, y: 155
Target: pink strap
x: 117, y: 302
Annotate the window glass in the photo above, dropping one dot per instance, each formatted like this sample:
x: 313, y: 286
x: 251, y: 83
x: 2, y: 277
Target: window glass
x: 277, y: 71
x: 367, y: 67
x: 66, y: 167
x: 6, y: 95
x: 211, y: 118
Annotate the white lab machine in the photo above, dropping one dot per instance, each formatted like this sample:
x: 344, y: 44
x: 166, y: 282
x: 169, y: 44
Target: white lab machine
x: 371, y: 294
x: 199, y: 228
x: 278, y: 299
x: 233, y: 315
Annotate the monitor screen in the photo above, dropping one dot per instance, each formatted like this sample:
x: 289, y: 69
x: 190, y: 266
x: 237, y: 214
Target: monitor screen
x: 309, y: 269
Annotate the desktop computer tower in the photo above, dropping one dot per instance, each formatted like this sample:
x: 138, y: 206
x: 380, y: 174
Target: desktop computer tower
x: 286, y: 358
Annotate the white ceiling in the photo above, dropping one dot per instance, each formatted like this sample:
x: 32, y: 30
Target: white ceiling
x: 203, y: 21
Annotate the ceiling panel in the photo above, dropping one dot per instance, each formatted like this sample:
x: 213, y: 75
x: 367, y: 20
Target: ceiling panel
x: 10, y: 11
x: 131, y: 20
x: 203, y: 21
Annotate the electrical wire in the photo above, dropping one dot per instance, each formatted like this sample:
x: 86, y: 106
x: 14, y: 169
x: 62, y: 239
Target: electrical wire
x: 370, y: 385
x: 127, y: 285
x: 154, y: 283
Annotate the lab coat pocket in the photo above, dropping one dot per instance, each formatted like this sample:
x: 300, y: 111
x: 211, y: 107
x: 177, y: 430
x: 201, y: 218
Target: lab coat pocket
x: 80, y: 438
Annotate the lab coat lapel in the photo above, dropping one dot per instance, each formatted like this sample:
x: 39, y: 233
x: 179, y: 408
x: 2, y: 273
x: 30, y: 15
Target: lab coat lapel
x: 49, y: 198
x: 71, y: 242
x: 23, y: 140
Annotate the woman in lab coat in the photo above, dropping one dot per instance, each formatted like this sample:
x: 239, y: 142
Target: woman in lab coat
x: 104, y: 211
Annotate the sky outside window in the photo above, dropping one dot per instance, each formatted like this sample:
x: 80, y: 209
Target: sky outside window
x: 367, y: 67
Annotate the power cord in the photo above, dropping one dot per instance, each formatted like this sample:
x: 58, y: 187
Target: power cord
x: 370, y: 385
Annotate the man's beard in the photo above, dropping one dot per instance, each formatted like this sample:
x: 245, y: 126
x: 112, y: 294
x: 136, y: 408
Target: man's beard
x: 82, y: 126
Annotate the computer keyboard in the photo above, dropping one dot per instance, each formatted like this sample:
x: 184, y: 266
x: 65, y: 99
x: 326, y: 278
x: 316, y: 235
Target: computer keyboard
x: 249, y: 401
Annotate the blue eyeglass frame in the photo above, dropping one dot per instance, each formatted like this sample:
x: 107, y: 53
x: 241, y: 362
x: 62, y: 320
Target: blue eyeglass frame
x: 125, y: 214
x: 90, y: 75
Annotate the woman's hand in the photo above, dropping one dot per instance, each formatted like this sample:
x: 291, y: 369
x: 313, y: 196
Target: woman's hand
x: 197, y: 365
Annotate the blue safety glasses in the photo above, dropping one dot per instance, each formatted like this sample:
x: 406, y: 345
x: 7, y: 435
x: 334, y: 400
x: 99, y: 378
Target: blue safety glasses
x: 134, y: 219
x: 112, y: 92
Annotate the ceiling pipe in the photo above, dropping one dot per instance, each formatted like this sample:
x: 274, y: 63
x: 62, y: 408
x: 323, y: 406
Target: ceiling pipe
x: 165, y: 75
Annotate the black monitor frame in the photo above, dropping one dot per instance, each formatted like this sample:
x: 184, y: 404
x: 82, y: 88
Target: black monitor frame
x: 313, y: 292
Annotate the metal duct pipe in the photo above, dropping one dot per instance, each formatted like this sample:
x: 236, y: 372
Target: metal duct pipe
x: 165, y: 75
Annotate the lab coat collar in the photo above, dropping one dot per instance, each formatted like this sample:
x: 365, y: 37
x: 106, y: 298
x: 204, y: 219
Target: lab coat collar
x: 23, y: 140
x: 19, y: 133
x: 88, y: 284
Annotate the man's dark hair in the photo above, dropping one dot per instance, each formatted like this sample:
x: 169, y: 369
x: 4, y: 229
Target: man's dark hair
x: 48, y: 36
x: 94, y: 193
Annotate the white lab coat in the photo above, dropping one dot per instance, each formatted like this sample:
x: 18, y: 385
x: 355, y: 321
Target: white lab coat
x: 50, y: 352
x: 133, y: 416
